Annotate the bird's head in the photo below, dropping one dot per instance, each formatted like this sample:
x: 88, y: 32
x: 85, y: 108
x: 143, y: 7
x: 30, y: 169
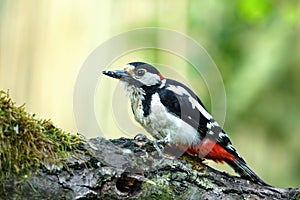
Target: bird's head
x: 137, y: 74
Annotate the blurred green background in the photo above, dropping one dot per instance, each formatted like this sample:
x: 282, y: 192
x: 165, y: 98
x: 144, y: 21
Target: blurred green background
x: 254, y: 43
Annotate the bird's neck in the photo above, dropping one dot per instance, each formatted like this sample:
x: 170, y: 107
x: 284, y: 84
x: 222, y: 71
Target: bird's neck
x: 134, y: 92
x: 140, y: 98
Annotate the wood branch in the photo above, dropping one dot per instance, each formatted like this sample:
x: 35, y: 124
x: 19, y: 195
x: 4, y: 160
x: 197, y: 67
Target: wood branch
x: 131, y: 169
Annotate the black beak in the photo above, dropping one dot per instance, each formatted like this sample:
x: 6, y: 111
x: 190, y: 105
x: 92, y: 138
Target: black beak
x: 118, y: 74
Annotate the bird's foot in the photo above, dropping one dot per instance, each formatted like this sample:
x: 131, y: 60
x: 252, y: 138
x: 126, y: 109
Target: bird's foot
x: 159, y: 148
x: 157, y: 144
x: 141, y: 138
x: 160, y: 144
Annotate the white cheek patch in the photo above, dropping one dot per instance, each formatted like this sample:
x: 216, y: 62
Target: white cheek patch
x: 195, y: 104
x: 149, y: 79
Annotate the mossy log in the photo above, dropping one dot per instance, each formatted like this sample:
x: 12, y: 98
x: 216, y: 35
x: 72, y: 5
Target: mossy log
x: 127, y: 169
x: 73, y: 167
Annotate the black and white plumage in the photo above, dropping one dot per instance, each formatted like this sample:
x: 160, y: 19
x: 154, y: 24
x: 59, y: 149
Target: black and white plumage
x: 171, y: 112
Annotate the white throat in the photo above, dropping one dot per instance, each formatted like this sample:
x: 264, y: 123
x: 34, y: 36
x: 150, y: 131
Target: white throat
x: 131, y: 91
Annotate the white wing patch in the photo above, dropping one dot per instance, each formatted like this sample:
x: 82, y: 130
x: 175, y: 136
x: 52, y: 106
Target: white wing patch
x: 195, y: 104
x: 211, y: 133
x: 222, y: 134
x: 212, y: 124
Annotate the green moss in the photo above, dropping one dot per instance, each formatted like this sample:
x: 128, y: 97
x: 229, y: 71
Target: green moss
x: 27, y: 142
x: 159, y: 191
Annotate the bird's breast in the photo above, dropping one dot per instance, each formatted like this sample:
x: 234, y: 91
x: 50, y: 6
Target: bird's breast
x: 161, y: 124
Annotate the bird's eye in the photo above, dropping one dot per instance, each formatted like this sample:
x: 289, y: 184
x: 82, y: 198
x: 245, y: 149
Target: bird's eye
x: 140, y: 72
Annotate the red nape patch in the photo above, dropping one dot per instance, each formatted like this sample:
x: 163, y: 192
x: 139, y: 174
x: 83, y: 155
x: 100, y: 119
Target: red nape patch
x: 161, y: 76
x: 211, y: 150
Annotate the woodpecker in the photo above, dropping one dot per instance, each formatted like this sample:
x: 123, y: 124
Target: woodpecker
x: 173, y: 113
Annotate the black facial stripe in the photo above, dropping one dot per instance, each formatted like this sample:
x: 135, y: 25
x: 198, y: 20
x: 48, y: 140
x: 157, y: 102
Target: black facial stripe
x: 146, y: 103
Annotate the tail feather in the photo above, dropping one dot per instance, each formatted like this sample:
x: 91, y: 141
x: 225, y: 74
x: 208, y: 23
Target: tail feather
x: 240, y: 167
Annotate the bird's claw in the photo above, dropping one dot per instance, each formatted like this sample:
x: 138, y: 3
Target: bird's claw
x: 159, y: 146
x: 158, y: 149
x: 141, y: 138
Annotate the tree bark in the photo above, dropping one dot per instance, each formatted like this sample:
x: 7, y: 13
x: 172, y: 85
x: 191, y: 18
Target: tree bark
x: 132, y: 169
